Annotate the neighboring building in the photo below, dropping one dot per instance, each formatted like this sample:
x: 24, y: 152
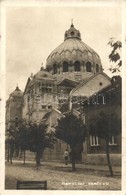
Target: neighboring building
x: 89, y: 87
x: 107, y: 100
x: 72, y: 70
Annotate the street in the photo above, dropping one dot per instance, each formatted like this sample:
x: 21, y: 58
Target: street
x: 61, y: 177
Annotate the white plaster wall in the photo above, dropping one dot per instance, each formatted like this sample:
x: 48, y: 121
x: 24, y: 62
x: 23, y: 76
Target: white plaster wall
x: 92, y: 86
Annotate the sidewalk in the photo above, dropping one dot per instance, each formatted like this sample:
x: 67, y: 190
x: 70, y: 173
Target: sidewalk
x: 116, y: 169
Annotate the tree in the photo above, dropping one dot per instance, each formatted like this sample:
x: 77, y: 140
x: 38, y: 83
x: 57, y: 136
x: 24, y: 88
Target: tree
x: 29, y: 136
x: 71, y: 130
x: 39, y: 139
x: 115, y: 56
x: 17, y: 139
x: 116, y: 81
x: 23, y: 138
x: 105, y: 126
x: 13, y: 141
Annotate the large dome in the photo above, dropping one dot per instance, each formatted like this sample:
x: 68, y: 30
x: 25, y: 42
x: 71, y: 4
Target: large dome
x: 73, y: 49
x: 73, y: 55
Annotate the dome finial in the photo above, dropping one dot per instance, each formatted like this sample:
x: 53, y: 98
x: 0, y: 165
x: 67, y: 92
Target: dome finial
x: 42, y: 68
x: 72, y: 23
x: 17, y: 88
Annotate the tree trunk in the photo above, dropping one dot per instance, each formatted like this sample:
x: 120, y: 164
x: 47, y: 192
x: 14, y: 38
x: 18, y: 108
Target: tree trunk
x: 11, y: 155
x: 73, y: 158
x: 21, y: 152
x: 24, y: 157
x: 17, y: 151
x: 38, y: 158
x: 73, y: 166
x: 11, y: 152
x: 38, y: 155
x: 108, y: 158
x: 8, y: 153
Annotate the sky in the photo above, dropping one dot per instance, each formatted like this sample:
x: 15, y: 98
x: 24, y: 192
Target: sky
x: 33, y: 32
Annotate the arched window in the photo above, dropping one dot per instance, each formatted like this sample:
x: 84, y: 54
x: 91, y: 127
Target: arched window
x: 54, y: 69
x: 97, y: 68
x: 88, y: 66
x: 65, y: 67
x: 77, y: 66
x: 72, y: 33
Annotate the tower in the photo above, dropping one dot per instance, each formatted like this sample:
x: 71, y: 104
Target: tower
x: 14, y: 108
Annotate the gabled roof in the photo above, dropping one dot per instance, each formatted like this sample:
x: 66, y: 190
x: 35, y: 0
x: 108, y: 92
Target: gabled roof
x: 67, y: 82
x: 87, y: 80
